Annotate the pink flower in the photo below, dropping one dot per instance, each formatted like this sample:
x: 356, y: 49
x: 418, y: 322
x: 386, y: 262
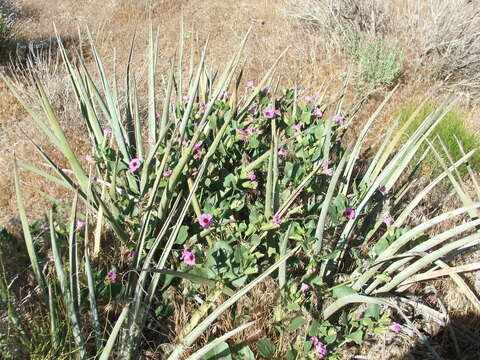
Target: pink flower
x: 197, y: 146
x: 278, y: 112
x: 111, y: 277
x: 168, y: 173
x: 321, y: 350
x: 269, y: 113
x: 319, y: 347
x: 388, y: 220
x: 186, y: 97
x: 310, y: 99
x: 349, y: 213
x: 188, y: 257
x: 395, y: 327
x: 203, y: 107
x: 304, y: 287
x: 282, y: 152
x: 329, y: 172
x: 206, y: 220
x: 297, y: 127
x: 90, y: 159
x: 338, y: 119
x: 158, y: 116
x: 252, y: 109
x: 251, y: 175
x: 382, y: 190
x: 134, y: 165
x: 277, y: 219
x: 80, y: 224
x: 224, y: 95
x: 43, y: 226
x: 250, y: 129
x: 317, y: 112
x: 265, y: 90
x: 250, y: 84
x: 107, y: 132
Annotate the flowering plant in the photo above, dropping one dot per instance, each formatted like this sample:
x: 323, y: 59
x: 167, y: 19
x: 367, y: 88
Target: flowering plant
x: 226, y: 189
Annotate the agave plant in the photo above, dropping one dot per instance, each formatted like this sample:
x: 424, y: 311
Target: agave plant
x: 242, y: 183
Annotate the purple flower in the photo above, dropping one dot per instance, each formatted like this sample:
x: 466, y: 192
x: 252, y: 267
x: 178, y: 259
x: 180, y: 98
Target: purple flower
x: 388, y: 220
x: 132, y: 254
x: 197, y: 146
x: 203, y: 107
x: 395, y: 327
x: 80, y: 224
x: 107, y: 132
x: 349, y: 213
x: 43, y: 226
x: 321, y: 350
x: 277, y: 219
x: 329, y: 172
x: 382, y: 190
x: 251, y: 175
x: 339, y: 120
x: 265, y: 90
x: 224, y: 95
x: 297, y: 127
x: 168, y: 173
x: 158, y: 116
x: 250, y: 84
x: 252, y: 109
x: 269, y: 113
x: 134, y: 165
x: 188, y: 257
x: 304, y: 287
x: 90, y: 159
x: 111, y: 277
x: 282, y: 152
x: 310, y: 99
x: 317, y: 112
x: 250, y: 129
x: 206, y: 220
x: 319, y: 347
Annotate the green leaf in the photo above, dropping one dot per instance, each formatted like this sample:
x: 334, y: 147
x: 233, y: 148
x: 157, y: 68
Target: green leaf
x: 296, y: 323
x: 266, y: 348
x: 373, y: 311
x: 357, y: 337
x: 219, y: 352
x: 182, y: 235
x: 343, y: 291
x: 244, y: 353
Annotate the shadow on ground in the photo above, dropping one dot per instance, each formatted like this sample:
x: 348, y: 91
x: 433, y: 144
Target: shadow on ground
x: 458, y: 340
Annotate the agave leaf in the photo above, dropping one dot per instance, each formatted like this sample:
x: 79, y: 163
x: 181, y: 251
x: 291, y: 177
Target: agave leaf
x: 52, y: 312
x: 32, y: 254
x: 105, y: 355
x: 204, y: 350
x: 352, y: 299
x: 93, y: 303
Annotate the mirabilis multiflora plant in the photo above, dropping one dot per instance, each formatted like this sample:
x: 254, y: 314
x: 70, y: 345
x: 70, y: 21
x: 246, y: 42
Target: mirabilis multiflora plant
x: 219, y: 185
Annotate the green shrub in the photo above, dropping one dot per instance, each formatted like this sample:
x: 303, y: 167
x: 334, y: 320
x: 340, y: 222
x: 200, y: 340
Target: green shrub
x: 220, y: 193
x: 452, y: 129
x: 378, y: 60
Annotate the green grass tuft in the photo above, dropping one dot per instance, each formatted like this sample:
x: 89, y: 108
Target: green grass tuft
x: 453, y: 124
